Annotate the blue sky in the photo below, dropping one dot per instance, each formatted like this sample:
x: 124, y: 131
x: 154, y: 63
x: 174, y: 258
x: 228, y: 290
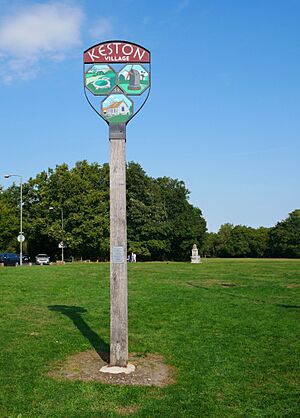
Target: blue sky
x: 223, y: 113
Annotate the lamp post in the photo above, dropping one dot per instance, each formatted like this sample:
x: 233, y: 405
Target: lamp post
x: 62, y: 230
x: 7, y: 176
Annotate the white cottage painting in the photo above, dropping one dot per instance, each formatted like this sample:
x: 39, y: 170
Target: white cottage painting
x: 117, y: 108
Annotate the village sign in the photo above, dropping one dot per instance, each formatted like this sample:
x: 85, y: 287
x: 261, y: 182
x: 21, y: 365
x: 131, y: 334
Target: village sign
x: 119, y: 73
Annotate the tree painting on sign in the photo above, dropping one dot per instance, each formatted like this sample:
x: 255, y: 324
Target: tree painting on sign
x: 117, y: 108
x: 100, y: 79
x: 134, y: 79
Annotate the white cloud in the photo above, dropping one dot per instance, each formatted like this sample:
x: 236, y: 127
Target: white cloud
x: 102, y: 28
x: 40, y: 32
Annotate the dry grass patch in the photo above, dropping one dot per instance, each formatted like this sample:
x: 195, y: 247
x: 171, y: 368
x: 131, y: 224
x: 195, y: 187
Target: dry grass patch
x: 150, y: 370
x: 210, y: 283
x: 127, y: 410
x: 292, y: 285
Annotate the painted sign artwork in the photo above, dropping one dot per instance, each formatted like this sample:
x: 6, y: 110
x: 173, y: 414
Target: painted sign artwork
x: 134, y: 79
x: 119, y: 71
x: 100, y: 79
x: 116, y: 51
x: 117, y: 108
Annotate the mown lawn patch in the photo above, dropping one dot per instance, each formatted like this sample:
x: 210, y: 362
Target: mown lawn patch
x: 228, y: 328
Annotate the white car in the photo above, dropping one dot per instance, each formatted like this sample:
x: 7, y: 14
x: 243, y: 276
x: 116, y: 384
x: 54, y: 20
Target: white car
x: 42, y: 259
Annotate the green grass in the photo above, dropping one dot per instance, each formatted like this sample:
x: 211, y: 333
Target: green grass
x: 235, y: 349
x: 119, y: 118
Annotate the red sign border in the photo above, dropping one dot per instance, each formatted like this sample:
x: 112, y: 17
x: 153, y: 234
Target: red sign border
x: 116, y: 62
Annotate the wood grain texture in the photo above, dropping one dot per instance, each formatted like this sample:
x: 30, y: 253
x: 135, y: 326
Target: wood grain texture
x: 118, y: 270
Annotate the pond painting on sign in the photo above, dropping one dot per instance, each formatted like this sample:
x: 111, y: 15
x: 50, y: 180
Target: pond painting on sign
x: 134, y: 79
x: 117, y: 108
x: 100, y: 79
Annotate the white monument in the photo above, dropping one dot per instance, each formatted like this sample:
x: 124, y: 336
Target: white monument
x: 195, y: 258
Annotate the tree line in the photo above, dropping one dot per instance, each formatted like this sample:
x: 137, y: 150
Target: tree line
x: 72, y: 205
x: 282, y: 240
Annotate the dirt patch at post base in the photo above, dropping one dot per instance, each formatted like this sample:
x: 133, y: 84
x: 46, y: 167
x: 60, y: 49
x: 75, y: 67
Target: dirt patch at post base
x: 150, y: 370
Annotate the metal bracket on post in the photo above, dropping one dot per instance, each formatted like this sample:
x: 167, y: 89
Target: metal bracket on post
x: 117, y: 131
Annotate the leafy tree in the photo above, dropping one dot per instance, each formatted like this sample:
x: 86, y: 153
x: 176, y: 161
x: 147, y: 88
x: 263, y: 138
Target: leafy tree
x: 81, y: 195
x: 184, y: 223
x: 224, y: 241
x: 10, y: 225
x: 209, y: 246
x: 259, y: 242
x: 9, y: 218
x: 162, y: 224
x: 285, y: 237
x: 241, y: 241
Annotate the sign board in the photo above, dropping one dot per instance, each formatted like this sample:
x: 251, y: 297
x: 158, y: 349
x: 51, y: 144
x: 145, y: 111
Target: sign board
x: 62, y: 245
x: 118, y: 255
x: 120, y: 71
x: 116, y: 51
x: 21, y: 238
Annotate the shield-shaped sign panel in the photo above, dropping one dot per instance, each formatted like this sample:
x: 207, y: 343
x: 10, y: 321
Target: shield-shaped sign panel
x: 121, y: 71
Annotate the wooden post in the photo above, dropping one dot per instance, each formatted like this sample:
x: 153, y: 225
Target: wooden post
x: 118, y: 248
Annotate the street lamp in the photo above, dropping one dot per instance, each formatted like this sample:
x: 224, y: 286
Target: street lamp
x: 21, y: 236
x: 62, y: 230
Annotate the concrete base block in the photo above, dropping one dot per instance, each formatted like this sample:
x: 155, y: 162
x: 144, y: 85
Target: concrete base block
x: 117, y: 370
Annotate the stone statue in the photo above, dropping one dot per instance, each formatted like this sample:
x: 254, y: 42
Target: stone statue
x: 195, y: 258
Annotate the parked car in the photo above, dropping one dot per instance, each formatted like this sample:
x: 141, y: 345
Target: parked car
x: 10, y: 259
x: 42, y: 259
x: 25, y: 258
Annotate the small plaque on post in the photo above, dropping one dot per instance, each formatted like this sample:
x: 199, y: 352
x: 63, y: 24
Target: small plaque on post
x: 118, y: 255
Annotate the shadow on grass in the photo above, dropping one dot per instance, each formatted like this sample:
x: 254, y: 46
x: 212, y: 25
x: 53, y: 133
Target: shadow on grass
x: 290, y: 306
x: 74, y: 313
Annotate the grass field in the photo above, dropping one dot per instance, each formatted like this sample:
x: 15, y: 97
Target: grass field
x: 229, y: 328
